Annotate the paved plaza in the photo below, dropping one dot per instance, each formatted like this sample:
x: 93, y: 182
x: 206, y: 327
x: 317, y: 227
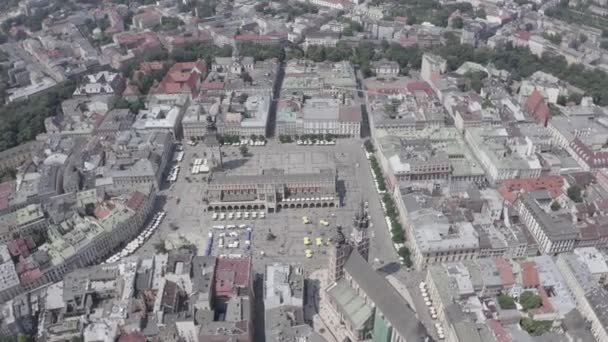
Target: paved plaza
x: 187, y: 217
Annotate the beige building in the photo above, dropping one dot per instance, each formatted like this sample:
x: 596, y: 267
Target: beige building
x: 591, y: 297
x: 433, y: 237
x: 552, y: 233
x: 272, y: 190
x: 14, y: 157
x: 83, y: 241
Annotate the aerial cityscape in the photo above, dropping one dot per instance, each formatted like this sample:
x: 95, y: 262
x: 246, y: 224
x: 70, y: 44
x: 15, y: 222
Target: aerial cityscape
x: 303, y: 170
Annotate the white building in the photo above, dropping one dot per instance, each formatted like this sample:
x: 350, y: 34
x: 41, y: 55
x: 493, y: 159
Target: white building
x: 553, y: 234
x: 503, y: 157
x: 160, y: 118
x: 590, y: 297
x: 432, y: 68
x: 101, y: 83
x: 249, y: 118
x: 328, y: 116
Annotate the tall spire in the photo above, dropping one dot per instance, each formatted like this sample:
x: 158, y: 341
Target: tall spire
x: 361, y: 218
x: 212, y: 145
x: 359, y: 236
x: 339, y: 251
x: 339, y: 238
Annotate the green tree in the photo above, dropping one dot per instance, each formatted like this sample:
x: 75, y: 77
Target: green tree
x: 529, y: 300
x: 575, y: 97
x: 369, y: 146
x: 315, y: 53
x: 246, y: 77
x: 22, y: 338
x: 160, y: 247
x: 457, y: 23
x: 575, y: 193
x: 554, y: 38
x: 244, y: 150
x: 242, y: 98
x: 260, y: 53
x: 535, y: 328
x: 398, y: 236
x: 205, y: 9
x: 405, y: 253
x: 192, y: 51
x: 168, y: 24
x: 555, y: 206
x: 475, y: 80
x: 23, y: 120
x: 506, y: 302
x: 295, y: 53
x: 190, y: 247
x: 8, y: 174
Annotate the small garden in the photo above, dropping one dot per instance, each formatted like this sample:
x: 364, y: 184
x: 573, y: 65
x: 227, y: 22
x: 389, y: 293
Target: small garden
x: 528, y: 300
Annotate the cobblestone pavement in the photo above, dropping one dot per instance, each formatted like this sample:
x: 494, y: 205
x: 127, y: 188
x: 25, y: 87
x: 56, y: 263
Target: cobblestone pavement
x: 187, y: 218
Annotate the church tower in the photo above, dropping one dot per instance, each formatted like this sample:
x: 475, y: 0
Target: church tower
x: 359, y: 235
x: 339, y: 252
x: 211, y: 145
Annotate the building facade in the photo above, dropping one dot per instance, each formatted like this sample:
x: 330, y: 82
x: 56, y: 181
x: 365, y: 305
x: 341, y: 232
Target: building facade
x: 553, y: 234
x: 272, y: 190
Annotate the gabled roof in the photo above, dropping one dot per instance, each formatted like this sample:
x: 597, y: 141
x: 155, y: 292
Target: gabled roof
x: 536, y: 106
x: 181, y: 78
x: 394, y: 308
x: 529, y: 275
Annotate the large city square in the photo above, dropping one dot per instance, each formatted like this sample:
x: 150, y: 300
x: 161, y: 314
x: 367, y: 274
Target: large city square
x: 279, y: 235
x: 303, y: 171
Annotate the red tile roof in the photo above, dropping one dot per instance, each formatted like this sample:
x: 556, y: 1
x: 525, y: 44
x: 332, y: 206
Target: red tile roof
x: 523, y: 35
x: 130, y: 90
x: 189, y: 36
x: 546, y: 306
x: 350, y: 114
x: 499, y: 331
x: 140, y: 42
x: 182, y: 78
x: 529, y: 275
x: 505, y: 272
x: 213, y: 85
x: 401, y: 19
x: 103, y: 209
x: 254, y: 37
x: 30, y: 276
x: 132, y: 337
x: 420, y: 86
x: 230, y: 275
x: 20, y: 246
x: 595, y: 159
x: 135, y: 200
x: 536, y: 106
x: 510, y: 188
x: 6, y: 190
x: 146, y: 68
